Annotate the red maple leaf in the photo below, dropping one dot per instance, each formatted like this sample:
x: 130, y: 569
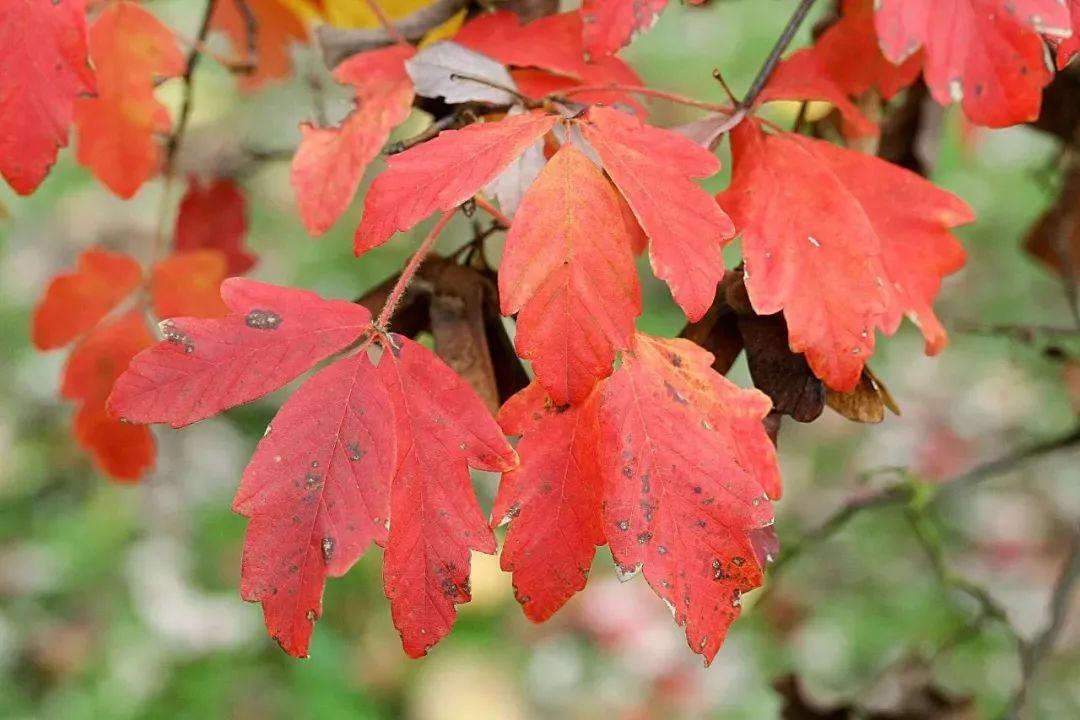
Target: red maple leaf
x: 652, y: 168
x: 117, y: 129
x: 852, y: 55
x: 826, y: 240
x: 213, y: 216
x: 75, y: 302
x: 612, y: 24
x: 552, y: 500
x: 276, y: 28
x: 330, y: 162
x: 272, y: 336
x: 987, y: 55
x: 43, y: 69
x: 355, y: 446
x: 568, y: 270
x: 443, y: 173
x: 97, y: 305
x: 1070, y: 46
x: 669, y: 462
x: 552, y: 43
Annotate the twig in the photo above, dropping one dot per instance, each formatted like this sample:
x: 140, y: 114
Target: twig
x: 402, y: 284
x: 1037, y: 652
x: 194, y: 55
x: 904, y: 490
x: 524, y: 99
x: 251, y: 34
x: 777, y: 51
x: 639, y: 90
x: 384, y: 21
x: 428, y: 133
x: 484, y: 204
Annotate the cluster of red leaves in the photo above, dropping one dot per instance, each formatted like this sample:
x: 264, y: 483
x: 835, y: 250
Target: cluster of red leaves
x: 626, y: 439
x: 103, y: 307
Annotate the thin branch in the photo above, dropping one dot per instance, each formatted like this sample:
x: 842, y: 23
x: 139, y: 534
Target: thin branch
x: 766, y: 71
x: 639, y: 90
x: 524, y: 99
x: 384, y: 21
x: 485, y: 205
x: 904, y: 491
x: 251, y: 34
x: 1022, y: 333
x: 402, y: 284
x: 428, y: 133
x: 1037, y: 652
x: 182, y: 118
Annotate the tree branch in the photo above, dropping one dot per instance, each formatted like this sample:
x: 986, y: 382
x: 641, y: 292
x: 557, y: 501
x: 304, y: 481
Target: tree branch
x: 1036, y: 653
x: 905, y: 490
x: 194, y: 55
x: 766, y: 71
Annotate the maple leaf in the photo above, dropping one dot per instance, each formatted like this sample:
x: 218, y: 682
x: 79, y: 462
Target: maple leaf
x: 443, y: 173
x: 330, y: 162
x: 75, y: 302
x: 854, y: 36
x: 356, y: 445
x: 552, y: 43
x: 442, y: 429
x: 569, y: 271
x: 987, y: 55
x: 612, y: 24
x: 122, y: 451
x: 117, y: 128
x: 187, y: 284
x: 271, y: 336
x: 43, y: 69
x: 1069, y: 47
x: 686, y: 229
x: 317, y: 493
x: 826, y: 241
x: 214, y: 217
x: 669, y: 461
x: 552, y: 500
x: 277, y: 26
x: 686, y: 462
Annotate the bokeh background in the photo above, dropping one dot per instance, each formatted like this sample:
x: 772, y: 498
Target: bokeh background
x: 122, y: 601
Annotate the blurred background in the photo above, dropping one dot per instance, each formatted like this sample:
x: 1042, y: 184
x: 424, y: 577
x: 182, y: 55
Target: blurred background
x: 121, y: 601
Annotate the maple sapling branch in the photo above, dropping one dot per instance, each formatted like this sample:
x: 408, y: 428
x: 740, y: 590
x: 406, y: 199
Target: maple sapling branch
x: 182, y: 117
x: 409, y: 272
x: 388, y: 26
x: 766, y: 71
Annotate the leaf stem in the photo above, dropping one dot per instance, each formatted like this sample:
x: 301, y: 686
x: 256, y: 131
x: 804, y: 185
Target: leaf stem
x: 484, y: 204
x: 402, y: 284
x: 639, y: 90
x: 194, y: 55
x: 766, y: 71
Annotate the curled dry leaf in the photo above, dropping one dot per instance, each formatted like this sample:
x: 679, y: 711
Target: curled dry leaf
x: 459, y: 75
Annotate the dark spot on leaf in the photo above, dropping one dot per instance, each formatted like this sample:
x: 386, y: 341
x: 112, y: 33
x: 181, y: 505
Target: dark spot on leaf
x: 738, y: 561
x: 644, y: 538
x: 263, y: 320
x: 355, y: 453
x: 175, y: 335
x: 312, y: 616
x: 624, y: 525
x: 674, y: 394
x: 312, y: 481
x: 327, y: 549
